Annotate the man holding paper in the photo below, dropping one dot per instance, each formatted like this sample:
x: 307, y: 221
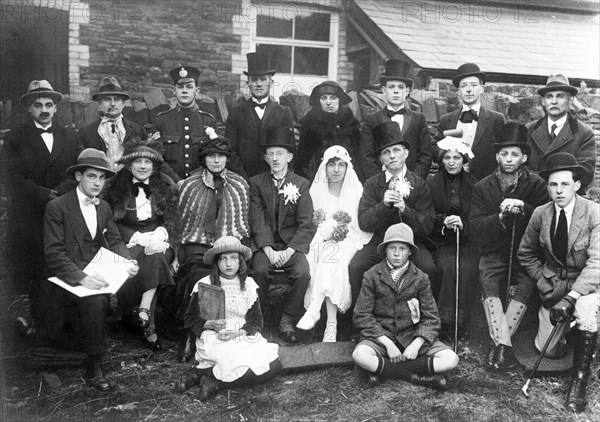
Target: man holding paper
x: 76, y: 226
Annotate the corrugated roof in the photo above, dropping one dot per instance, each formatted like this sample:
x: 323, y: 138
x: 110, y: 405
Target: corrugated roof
x: 442, y: 35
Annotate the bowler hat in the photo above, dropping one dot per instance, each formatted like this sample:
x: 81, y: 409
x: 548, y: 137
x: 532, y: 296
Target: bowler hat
x: 561, y: 161
x: 466, y: 70
x: 138, y: 148
x: 396, y: 70
x: 183, y: 74
x: 110, y: 86
x: 40, y: 89
x: 387, y: 134
x: 400, y: 232
x: 328, y: 87
x: 91, y: 157
x: 279, y: 136
x: 557, y: 82
x: 217, y: 145
x: 223, y: 245
x: 512, y: 134
x: 258, y: 65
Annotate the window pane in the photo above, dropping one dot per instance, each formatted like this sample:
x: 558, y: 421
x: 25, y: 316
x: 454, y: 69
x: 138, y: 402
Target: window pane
x: 313, y: 27
x: 279, y: 56
x: 272, y: 27
x: 311, y: 61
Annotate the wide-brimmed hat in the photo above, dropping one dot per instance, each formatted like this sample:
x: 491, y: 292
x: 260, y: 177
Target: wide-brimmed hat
x: 258, y: 65
x: 142, y: 148
x: 387, y: 134
x: 226, y: 244
x: 562, y: 161
x: 400, y: 232
x: 279, y: 136
x: 512, y: 134
x: 328, y: 87
x: 396, y: 70
x: 91, y: 157
x: 183, y: 74
x: 110, y: 86
x: 40, y: 89
x: 557, y: 83
x: 466, y: 70
x: 217, y: 145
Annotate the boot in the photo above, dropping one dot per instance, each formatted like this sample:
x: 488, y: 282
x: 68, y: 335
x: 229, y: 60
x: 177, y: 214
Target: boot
x: 94, y: 375
x: 437, y: 382
x: 502, y: 357
x: 187, y: 349
x: 585, y: 343
x: 190, y: 379
x: 209, y: 386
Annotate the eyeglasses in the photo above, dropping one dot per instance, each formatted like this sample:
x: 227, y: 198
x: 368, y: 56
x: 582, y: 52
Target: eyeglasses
x: 93, y: 177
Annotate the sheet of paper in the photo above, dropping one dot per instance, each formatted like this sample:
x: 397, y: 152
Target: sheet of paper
x: 106, y: 263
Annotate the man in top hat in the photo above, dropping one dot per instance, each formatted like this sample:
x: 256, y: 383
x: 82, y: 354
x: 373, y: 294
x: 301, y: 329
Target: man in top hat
x: 501, y: 205
x: 560, y: 251
x: 559, y: 131
x: 395, y: 195
x: 247, y: 123
x: 479, y: 125
x: 111, y: 130
x: 281, y: 214
x: 76, y: 226
x: 34, y: 161
x: 183, y: 130
x: 396, y: 86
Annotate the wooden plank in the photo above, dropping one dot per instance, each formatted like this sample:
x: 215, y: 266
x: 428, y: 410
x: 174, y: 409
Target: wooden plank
x: 316, y: 355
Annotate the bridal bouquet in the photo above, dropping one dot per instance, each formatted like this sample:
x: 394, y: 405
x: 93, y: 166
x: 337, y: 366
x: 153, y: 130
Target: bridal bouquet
x: 333, y: 228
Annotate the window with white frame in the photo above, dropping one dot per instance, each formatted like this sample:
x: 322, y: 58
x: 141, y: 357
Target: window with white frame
x: 300, y: 42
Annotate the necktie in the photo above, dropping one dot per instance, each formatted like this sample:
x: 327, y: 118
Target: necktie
x: 561, y: 238
x: 277, y: 182
x: 135, y: 189
x: 553, y: 133
x: 47, y: 130
x: 392, y: 113
x: 91, y: 201
x: 468, y: 116
x: 394, y: 182
x: 261, y: 106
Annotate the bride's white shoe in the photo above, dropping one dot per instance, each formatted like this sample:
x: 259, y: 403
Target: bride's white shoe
x: 307, y: 322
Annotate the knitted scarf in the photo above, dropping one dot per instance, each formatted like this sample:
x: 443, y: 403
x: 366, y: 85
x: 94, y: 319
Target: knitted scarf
x: 196, y: 199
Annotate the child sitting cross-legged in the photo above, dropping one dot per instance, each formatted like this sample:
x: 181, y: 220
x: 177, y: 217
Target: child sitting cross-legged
x: 398, y: 319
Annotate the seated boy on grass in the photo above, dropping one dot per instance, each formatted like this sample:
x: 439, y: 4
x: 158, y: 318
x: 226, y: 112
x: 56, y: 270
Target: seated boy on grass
x: 398, y: 319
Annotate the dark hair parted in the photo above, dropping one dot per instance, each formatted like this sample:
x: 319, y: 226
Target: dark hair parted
x: 242, y: 271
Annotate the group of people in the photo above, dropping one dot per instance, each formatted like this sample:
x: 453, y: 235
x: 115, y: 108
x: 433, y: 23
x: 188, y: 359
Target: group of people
x: 350, y: 215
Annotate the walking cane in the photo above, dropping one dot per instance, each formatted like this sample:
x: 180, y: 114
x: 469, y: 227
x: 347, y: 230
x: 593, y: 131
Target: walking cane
x: 510, y: 258
x: 456, y: 290
x: 539, y: 359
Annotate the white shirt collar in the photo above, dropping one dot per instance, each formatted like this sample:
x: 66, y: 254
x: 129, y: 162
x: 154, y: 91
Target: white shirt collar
x: 390, y: 108
x: 476, y: 107
x: 82, y: 196
x: 400, y: 175
x: 559, y: 123
x: 568, y: 209
x: 146, y: 182
x: 264, y: 100
x: 42, y: 127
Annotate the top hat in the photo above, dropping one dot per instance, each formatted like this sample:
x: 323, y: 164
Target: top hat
x: 212, y: 146
x: 258, y: 65
x: 328, y: 87
x: 387, y: 134
x: 562, y: 161
x: 512, y: 134
x: 280, y: 136
x: 557, y: 83
x: 400, y: 232
x: 396, y: 70
x: 110, y: 86
x: 465, y: 70
x: 223, y: 245
x: 183, y: 74
x: 138, y: 148
x: 40, y: 89
x: 91, y: 157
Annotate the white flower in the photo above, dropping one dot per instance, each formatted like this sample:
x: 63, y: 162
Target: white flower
x: 210, y: 131
x: 326, y: 228
x: 291, y: 193
x: 403, y: 187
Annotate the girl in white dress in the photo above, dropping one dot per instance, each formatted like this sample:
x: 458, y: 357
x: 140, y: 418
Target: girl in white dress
x: 230, y: 352
x: 335, y: 192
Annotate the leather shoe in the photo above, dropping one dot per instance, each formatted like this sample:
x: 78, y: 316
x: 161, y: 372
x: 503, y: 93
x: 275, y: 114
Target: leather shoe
x: 289, y: 337
x: 208, y: 387
x: 95, y: 378
x: 502, y: 357
x: 437, y: 382
x: 187, y: 381
x: 187, y: 349
x: 155, y: 345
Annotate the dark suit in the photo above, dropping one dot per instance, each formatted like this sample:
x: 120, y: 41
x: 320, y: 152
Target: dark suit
x: 484, y: 162
x: 575, y: 138
x: 30, y: 172
x: 68, y: 248
x: 279, y: 225
x: 90, y: 138
x: 246, y: 132
x: 414, y: 130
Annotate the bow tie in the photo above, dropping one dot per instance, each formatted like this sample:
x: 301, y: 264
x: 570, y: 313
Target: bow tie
x: 261, y: 106
x: 47, y: 130
x: 392, y: 113
x: 91, y: 201
x: 468, y: 116
x: 135, y: 189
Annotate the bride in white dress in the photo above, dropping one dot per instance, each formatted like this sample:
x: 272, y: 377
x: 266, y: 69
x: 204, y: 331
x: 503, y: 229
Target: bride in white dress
x: 335, y: 193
